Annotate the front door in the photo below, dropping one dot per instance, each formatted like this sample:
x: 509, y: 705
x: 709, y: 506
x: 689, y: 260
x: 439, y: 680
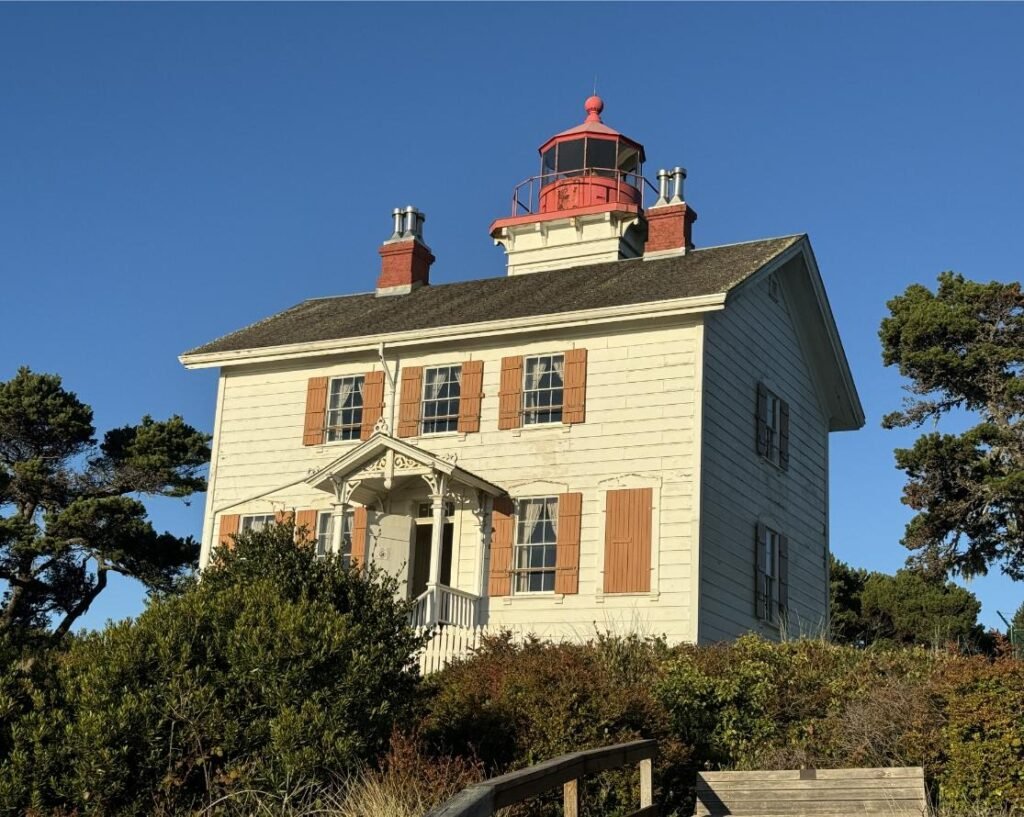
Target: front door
x: 420, y: 572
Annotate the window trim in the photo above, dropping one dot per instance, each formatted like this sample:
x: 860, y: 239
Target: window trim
x: 354, y: 428
x: 517, y: 545
x: 451, y: 419
x: 527, y: 412
x: 325, y: 528
x: 772, y: 439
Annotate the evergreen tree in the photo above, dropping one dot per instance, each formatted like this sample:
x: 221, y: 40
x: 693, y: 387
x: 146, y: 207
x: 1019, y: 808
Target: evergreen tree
x: 962, y: 349
x: 70, y: 512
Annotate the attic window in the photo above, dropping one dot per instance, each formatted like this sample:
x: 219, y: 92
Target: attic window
x: 773, y: 287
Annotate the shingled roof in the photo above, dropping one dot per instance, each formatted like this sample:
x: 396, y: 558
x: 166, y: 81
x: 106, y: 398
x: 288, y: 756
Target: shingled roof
x: 615, y: 283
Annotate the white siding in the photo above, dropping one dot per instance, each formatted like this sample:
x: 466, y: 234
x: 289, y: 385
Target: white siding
x: 752, y: 341
x: 639, y: 430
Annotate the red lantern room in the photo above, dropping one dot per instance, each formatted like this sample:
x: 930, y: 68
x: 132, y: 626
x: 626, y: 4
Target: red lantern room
x: 590, y: 164
x: 587, y: 203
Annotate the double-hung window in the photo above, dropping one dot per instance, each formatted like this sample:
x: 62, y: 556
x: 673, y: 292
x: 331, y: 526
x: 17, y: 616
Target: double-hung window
x: 441, y: 389
x: 536, y: 538
x: 345, y: 408
x: 325, y: 533
x: 542, y: 389
x: 257, y: 522
x: 772, y: 427
x: 772, y: 574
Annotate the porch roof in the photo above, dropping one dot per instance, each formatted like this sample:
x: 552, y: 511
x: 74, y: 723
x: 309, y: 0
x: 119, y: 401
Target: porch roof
x: 384, y: 456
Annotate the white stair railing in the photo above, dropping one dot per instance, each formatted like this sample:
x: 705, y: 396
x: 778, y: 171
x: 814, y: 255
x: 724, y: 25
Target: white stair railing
x: 440, y: 604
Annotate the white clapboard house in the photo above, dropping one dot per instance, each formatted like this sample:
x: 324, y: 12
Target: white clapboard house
x: 623, y: 431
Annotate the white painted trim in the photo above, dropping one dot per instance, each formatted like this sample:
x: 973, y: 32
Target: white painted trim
x: 421, y: 337
x: 698, y: 481
x: 210, y: 515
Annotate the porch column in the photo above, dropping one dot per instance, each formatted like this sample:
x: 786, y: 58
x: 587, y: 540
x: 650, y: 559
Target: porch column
x: 337, y: 526
x: 437, y: 531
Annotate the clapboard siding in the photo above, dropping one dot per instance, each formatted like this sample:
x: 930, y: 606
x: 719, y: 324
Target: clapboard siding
x: 639, y: 432
x: 752, y: 341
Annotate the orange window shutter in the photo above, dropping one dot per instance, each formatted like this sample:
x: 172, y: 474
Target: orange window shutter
x: 316, y: 407
x: 228, y: 527
x: 305, y: 526
x: 567, y: 548
x: 510, y: 396
x: 471, y: 395
x: 499, y: 577
x: 412, y: 400
x: 359, y: 535
x: 373, y: 403
x: 574, y: 387
x: 627, y: 541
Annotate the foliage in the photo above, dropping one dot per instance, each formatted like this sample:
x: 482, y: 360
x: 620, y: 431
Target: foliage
x: 962, y: 348
x: 908, y: 608
x: 277, y: 670
x: 748, y: 704
x: 69, y: 508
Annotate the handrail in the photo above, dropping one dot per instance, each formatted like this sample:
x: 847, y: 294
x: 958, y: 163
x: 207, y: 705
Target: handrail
x: 441, y: 604
x: 534, y: 185
x: 484, y: 799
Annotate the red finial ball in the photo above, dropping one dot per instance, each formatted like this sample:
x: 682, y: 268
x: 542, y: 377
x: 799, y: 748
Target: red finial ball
x: 593, y: 106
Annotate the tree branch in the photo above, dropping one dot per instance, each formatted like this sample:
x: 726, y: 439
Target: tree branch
x: 83, y: 604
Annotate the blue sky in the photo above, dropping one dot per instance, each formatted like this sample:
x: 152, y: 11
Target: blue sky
x: 170, y: 172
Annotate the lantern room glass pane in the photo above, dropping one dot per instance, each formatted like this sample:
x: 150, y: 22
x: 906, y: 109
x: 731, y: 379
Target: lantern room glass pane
x: 547, y: 165
x: 570, y: 157
x: 601, y: 156
x: 628, y: 157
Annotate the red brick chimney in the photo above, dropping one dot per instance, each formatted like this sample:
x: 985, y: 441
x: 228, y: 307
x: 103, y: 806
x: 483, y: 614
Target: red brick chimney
x: 669, y: 221
x: 405, y: 259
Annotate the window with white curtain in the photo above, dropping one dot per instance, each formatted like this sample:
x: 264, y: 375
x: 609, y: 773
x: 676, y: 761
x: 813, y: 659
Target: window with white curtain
x: 325, y: 532
x: 441, y: 389
x: 542, y: 389
x: 257, y: 522
x: 345, y: 408
x: 536, y: 538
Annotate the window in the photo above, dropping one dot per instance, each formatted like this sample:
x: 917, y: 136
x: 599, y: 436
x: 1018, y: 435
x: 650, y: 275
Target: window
x: 441, y: 388
x: 325, y: 532
x: 542, y: 389
x: 772, y: 575
x: 772, y: 427
x: 536, y: 538
x: 345, y: 409
x: 257, y: 522
x: 426, y: 511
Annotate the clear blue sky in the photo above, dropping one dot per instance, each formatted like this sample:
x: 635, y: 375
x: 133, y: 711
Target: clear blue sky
x: 170, y: 172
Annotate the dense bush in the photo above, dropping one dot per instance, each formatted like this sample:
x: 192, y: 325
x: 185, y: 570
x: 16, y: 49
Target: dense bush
x: 277, y: 670
x: 749, y: 704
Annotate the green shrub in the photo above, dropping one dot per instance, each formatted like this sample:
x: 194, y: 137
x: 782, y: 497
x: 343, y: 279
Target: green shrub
x: 277, y: 670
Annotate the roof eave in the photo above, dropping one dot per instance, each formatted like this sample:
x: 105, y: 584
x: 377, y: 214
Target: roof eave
x: 418, y: 337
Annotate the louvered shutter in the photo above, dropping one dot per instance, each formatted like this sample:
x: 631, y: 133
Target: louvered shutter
x: 760, y: 600
x: 510, y: 396
x: 627, y: 541
x: 784, y: 435
x: 228, y: 527
x: 305, y: 525
x: 358, y: 535
x: 316, y: 407
x: 567, y: 547
x: 373, y: 403
x: 783, y: 575
x: 471, y: 395
x: 499, y: 577
x: 284, y: 517
x: 411, y: 401
x: 574, y: 387
x: 762, y: 420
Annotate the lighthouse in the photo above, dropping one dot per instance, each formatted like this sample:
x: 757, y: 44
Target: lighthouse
x: 586, y: 205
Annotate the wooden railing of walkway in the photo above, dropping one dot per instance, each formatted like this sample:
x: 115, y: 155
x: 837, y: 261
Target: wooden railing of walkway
x: 484, y: 799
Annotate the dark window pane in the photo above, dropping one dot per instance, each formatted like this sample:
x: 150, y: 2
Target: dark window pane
x: 570, y: 156
x: 601, y: 153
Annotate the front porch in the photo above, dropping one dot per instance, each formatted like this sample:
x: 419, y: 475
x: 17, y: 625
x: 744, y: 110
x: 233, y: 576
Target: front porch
x: 421, y: 518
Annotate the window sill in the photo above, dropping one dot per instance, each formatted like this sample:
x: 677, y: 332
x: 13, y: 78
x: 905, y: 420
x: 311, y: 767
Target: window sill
x: 335, y: 443
x: 533, y: 598
x: 651, y: 595
x: 565, y: 428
